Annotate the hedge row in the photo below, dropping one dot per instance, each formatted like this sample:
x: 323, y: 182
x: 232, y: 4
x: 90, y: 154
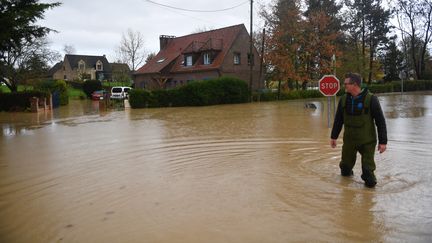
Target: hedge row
x: 19, y: 101
x: 224, y: 90
x: 55, y: 86
x: 90, y: 86
x: 396, y: 86
x: 291, y: 95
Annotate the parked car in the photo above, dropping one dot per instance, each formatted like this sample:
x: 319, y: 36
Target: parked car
x: 120, y: 92
x: 98, y: 95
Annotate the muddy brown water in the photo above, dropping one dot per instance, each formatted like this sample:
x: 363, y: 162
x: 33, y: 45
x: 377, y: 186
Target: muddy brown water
x: 261, y: 172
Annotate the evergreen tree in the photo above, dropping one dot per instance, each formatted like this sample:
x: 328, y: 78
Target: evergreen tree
x: 18, y: 31
x: 368, y: 25
x: 392, y: 60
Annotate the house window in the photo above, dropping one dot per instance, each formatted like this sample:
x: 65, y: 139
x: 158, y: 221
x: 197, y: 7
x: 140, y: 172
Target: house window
x: 207, y: 59
x: 189, y: 61
x: 236, y: 58
x: 99, y: 66
x: 81, y: 65
x: 250, y: 59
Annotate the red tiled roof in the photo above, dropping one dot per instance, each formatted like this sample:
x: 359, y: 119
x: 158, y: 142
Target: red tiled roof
x: 219, y: 39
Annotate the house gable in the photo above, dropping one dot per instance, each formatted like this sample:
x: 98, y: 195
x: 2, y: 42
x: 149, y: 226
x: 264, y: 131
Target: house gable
x: 198, y: 56
x: 79, y: 66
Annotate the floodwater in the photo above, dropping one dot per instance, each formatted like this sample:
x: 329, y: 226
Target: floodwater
x: 261, y: 172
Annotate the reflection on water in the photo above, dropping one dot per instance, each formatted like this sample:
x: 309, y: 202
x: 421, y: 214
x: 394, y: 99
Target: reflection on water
x: 407, y: 105
x: 261, y: 172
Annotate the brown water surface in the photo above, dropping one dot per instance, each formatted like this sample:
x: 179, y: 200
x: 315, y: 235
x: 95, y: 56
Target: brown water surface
x: 261, y: 172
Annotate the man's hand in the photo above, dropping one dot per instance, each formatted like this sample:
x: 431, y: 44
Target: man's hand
x: 382, y: 148
x: 333, y: 143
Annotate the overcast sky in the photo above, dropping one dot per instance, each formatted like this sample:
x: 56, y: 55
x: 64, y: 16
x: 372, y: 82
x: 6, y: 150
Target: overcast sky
x: 95, y: 27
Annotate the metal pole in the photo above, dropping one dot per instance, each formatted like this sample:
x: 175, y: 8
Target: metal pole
x: 334, y: 73
x: 402, y: 88
x: 251, y: 50
x: 328, y: 111
x: 261, y: 61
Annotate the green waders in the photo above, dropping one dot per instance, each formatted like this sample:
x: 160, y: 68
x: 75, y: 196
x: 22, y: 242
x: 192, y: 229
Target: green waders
x: 359, y: 136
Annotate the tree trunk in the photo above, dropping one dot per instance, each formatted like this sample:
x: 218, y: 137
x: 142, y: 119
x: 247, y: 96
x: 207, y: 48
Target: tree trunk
x: 11, y: 85
x: 371, y: 55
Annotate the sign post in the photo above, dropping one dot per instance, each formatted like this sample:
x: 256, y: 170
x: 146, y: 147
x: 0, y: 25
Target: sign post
x: 328, y: 86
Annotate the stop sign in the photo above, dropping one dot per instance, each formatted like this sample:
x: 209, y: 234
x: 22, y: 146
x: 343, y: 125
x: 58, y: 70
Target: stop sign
x: 329, y: 85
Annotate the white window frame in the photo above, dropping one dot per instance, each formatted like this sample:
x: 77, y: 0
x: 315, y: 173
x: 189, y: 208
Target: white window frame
x: 99, y: 66
x: 207, y: 60
x: 189, y: 61
x: 236, y: 58
x: 81, y: 65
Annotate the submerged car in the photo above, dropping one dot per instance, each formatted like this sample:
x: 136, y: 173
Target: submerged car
x: 120, y: 92
x: 98, y: 95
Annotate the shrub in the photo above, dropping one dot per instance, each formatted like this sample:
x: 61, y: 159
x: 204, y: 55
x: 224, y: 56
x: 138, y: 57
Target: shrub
x: 225, y: 90
x: 52, y: 86
x: 139, y: 98
x: 19, y: 101
x: 396, y: 86
x: 90, y: 86
x: 290, y: 95
x: 75, y: 84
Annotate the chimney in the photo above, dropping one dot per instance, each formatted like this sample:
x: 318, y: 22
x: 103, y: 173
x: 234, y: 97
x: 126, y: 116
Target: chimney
x: 164, y: 40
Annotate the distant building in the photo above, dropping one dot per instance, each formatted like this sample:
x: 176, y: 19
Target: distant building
x: 201, y: 56
x: 80, y: 67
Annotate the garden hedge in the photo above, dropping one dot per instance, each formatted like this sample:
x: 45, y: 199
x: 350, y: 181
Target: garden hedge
x: 224, y: 90
x: 19, y: 101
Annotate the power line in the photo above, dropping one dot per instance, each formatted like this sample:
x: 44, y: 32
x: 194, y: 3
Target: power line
x: 185, y: 15
x: 197, y: 10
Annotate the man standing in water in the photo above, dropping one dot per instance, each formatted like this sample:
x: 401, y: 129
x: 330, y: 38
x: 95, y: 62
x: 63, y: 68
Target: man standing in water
x: 359, y: 112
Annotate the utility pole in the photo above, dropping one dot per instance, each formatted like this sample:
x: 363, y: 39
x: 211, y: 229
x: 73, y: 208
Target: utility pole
x: 262, y: 60
x: 334, y: 73
x: 251, y: 57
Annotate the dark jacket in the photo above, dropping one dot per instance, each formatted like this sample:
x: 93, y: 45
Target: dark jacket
x: 353, y: 108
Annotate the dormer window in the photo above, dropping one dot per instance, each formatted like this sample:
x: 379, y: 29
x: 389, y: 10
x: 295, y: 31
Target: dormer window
x: 189, y: 61
x: 99, y: 66
x: 81, y: 65
x: 207, y: 58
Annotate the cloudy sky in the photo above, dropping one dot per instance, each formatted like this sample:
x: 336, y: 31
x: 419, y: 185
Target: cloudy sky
x: 95, y: 27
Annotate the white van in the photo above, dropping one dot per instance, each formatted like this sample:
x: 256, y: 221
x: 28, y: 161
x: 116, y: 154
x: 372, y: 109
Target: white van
x: 120, y: 92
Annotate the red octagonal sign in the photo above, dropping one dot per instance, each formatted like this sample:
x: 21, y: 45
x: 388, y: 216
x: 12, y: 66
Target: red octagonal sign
x: 329, y: 85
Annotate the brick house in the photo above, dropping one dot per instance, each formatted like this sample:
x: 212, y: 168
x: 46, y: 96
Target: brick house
x: 200, y: 56
x: 80, y: 67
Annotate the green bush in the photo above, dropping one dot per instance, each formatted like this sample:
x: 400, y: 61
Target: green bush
x: 225, y: 90
x: 90, y: 86
x: 19, y: 101
x: 290, y: 95
x: 396, y: 86
x: 75, y: 84
x: 52, y: 86
x: 139, y: 98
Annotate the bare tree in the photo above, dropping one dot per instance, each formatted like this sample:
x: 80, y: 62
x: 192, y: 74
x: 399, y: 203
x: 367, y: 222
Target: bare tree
x: 202, y: 29
x: 415, y: 23
x: 30, y: 60
x: 150, y: 56
x: 69, y: 49
x: 131, y: 49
